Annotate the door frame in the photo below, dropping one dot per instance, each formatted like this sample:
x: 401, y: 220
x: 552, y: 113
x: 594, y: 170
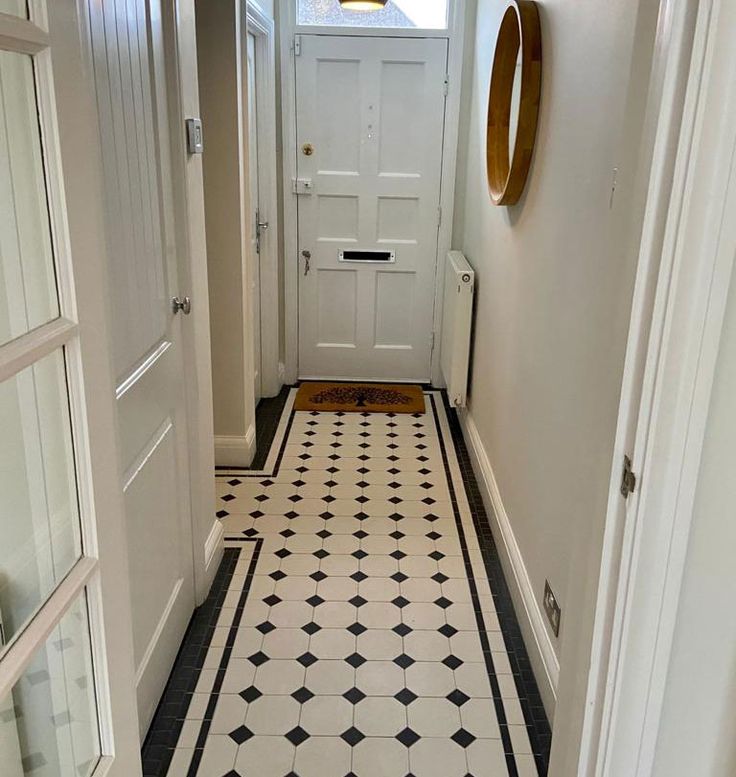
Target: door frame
x: 70, y: 133
x: 262, y: 27
x: 180, y: 44
x: 676, y: 335
x: 288, y: 30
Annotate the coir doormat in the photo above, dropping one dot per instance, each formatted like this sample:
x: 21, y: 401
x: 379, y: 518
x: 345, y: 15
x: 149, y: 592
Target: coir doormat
x: 360, y: 398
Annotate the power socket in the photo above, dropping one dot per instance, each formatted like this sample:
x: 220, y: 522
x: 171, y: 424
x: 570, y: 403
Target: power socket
x: 552, y: 608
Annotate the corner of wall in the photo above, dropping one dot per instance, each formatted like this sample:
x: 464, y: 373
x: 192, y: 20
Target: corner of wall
x: 236, y: 451
x: 542, y: 655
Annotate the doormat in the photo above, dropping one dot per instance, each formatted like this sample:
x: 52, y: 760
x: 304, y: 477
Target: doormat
x: 360, y: 398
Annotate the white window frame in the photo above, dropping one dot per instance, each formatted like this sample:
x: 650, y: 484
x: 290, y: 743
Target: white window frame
x: 85, y: 579
x: 289, y: 29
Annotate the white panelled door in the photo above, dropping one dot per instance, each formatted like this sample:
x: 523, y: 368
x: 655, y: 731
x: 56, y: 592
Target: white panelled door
x: 128, y: 55
x: 370, y: 124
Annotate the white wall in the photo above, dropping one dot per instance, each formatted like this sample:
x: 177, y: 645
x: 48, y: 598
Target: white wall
x: 225, y: 161
x: 698, y: 733
x: 555, y: 277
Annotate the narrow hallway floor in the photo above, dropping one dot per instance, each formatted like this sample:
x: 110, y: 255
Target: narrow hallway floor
x: 359, y: 625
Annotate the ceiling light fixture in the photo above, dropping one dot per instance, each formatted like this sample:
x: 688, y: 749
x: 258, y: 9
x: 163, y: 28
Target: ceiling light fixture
x: 363, y: 5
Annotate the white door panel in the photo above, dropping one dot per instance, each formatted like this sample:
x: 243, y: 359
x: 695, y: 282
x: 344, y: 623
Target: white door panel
x: 372, y: 110
x: 129, y: 73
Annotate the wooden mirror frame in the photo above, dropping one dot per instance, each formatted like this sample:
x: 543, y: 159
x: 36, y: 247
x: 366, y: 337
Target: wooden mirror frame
x: 520, y: 29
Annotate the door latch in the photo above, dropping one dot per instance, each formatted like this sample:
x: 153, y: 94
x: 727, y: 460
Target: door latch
x: 183, y: 305
x: 261, y: 227
x: 307, y: 261
x: 628, y: 479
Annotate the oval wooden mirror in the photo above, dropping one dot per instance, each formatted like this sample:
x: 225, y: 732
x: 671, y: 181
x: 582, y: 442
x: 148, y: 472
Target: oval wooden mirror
x: 513, y: 102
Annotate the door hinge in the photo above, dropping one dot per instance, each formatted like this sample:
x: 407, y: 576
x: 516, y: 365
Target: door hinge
x: 446, y: 84
x: 297, y: 45
x: 628, y: 479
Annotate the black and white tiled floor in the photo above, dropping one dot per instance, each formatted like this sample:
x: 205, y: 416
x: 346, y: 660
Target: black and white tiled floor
x: 352, y: 630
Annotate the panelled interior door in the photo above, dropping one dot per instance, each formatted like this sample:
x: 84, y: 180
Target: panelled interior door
x: 254, y: 252
x: 370, y: 122
x: 127, y: 48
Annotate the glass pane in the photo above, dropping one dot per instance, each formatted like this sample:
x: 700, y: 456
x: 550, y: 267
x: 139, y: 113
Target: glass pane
x: 48, y: 724
x: 401, y: 14
x: 14, y: 7
x: 39, y: 515
x: 27, y: 281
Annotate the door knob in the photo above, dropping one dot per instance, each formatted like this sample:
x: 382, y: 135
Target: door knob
x: 183, y: 305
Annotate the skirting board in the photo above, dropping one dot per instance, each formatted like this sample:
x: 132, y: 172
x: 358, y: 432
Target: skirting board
x: 528, y: 610
x: 235, y: 451
x: 213, y: 549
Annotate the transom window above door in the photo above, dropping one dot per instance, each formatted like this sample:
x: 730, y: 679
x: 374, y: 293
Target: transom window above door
x: 398, y: 14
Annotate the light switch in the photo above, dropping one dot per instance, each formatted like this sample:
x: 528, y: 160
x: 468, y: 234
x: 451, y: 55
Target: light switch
x: 195, y: 139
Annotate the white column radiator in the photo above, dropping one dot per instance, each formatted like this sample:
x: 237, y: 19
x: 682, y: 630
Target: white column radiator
x: 457, y: 320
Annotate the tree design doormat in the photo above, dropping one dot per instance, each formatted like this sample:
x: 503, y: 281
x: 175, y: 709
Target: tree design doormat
x: 360, y: 398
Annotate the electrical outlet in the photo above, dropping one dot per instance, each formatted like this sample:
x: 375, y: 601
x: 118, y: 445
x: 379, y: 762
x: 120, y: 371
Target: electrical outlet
x: 552, y: 609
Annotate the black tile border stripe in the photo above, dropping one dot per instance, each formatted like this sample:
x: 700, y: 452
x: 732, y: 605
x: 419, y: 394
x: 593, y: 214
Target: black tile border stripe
x: 480, y: 621
x: 168, y: 720
x: 535, y: 717
x: 225, y: 660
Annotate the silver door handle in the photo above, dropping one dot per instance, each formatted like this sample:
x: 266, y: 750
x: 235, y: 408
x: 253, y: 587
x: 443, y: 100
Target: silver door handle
x: 307, y: 261
x: 183, y: 305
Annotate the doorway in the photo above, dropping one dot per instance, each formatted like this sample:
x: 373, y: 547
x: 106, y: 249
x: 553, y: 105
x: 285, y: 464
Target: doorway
x: 370, y: 117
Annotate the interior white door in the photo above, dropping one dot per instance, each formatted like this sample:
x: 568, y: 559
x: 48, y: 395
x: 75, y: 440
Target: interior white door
x: 370, y: 121
x: 127, y: 42
x: 254, y: 252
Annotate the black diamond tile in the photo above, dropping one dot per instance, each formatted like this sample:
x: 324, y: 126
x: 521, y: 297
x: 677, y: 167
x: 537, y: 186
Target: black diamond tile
x: 447, y: 630
x: 443, y: 602
x: 331, y: 483
x: 282, y: 553
x: 321, y: 553
x: 234, y: 482
x: 250, y: 532
x: 398, y: 555
x: 424, y: 471
x: 406, y: 697
x: 400, y: 601
x: 302, y: 695
x: 396, y: 517
x: 329, y: 499
x: 440, y: 578
x: 397, y: 535
x: 265, y: 627
x: 287, y: 533
x: 359, y: 554
x: 261, y: 498
x: 311, y: 628
x: 393, y: 484
x: 433, y: 535
x: 402, y: 629
x: 291, y: 515
x: 425, y: 485
x: 404, y: 661
x: 395, y: 500
x: 307, y: 659
x: 429, y: 501
x: 296, y: 498
x: 463, y: 737
x: 407, y: 737
x: 352, y: 736
x: 361, y: 516
x: 431, y: 517
x: 358, y: 601
x: 436, y: 555
x: 359, y: 576
x: 326, y: 515
x: 315, y: 601
x: 399, y: 577
x: 229, y: 497
x: 277, y: 575
x: 241, y: 734
x: 324, y: 534
x: 362, y: 499
x: 257, y: 514
x: 360, y: 534
x: 354, y: 695
x: 355, y: 660
x: 258, y: 658
x: 250, y: 694
x: 298, y: 483
x: 362, y: 484
x: 224, y: 513
x: 357, y: 629
x: 452, y: 662
x: 394, y: 471
x: 318, y: 575
x: 297, y: 735
x: 457, y: 697
x: 272, y: 600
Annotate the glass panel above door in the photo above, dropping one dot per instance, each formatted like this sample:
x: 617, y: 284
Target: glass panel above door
x: 40, y: 537
x: 28, y: 294
x: 398, y: 14
x: 48, y: 723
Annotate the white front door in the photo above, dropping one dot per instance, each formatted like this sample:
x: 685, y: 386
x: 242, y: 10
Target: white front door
x: 370, y: 122
x: 254, y: 249
x: 66, y: 700
x: 145, y: 272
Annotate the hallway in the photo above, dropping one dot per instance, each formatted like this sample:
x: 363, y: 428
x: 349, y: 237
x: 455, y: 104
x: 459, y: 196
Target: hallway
x: 359, y: 624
